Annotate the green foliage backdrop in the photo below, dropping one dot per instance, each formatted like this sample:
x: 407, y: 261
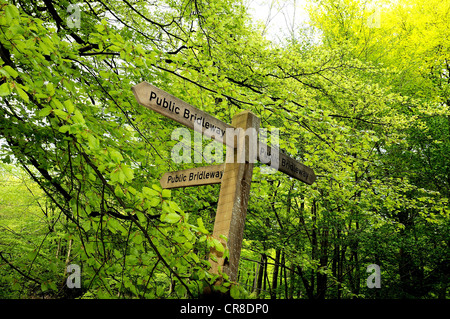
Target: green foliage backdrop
x: 366, y: 107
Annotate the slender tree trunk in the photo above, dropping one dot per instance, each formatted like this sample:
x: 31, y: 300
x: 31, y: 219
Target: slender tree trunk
x: 287, y: 286
x: 340, y: 267
x: 260, y: 275
x: 309, y: 288
x: 292, y: 279
x: 69, y: 249
x: 322, y: 276
x: 273, y: 291
x: 314, y: 244
x: 341, y: 270
x: 357, y: 273
x: 58, y: 249
x: 335, y: 264
x: 266, y: 277
x: 255, y: 279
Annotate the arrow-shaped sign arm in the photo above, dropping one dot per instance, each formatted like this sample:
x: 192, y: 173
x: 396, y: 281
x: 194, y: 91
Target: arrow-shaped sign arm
x: 280, y: 161
x: 176, y: 109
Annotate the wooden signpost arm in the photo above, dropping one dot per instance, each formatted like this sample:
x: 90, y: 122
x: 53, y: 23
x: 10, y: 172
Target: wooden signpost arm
x: 285, y: 164
x: 196, y: 176
x: 178, y: 110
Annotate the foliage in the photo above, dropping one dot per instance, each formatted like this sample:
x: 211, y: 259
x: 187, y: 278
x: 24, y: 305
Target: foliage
x: 365, y: 109
x: 30, y: 237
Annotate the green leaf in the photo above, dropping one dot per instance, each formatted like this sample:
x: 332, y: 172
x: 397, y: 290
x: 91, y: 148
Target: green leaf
x: 180, y: 290
x: 166, y: 207
x: 45, y: 111
x: 157, y: 188
x: 104, y: 74
x: 2, y: 71
x: 11, y: 71
x: 128, y: 172
x: 44, y: 48
x: 141, y: 217
x: 166, y: 193
x: 40, y: 96
x: 195, y: 258
x: 149, y: 192
x: 114, y: 176
x: 69, y: 106
x: 170, y: 218
x: 50, y: 88
x: 132, y: 190
x: 154, y: 201
x: 64, y: 128
x: 78, y: 117
x: 119, y: 192
x: 4, y: 89
x: 60, y: 113
x: 132, y: 260
x: 138, y: 239
x: 175, y: 206
x: 57, y: 104
x: 115, y: 155
x: 121, y: 176
x: 12, y: 12
x: 44, y: 286
x: 201, y: 226
x: 22, y: 94
x: 218, y: 245
x: 99, y: 27
x: 53, y: 286
x: 234, y: 292
x: 93, y: 142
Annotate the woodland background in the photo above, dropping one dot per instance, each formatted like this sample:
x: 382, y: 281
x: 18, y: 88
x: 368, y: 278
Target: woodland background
x: 360, y: 94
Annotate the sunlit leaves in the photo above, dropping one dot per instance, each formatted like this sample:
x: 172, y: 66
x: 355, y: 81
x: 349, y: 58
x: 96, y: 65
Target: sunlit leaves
x: 9, y: 71
x: 4, y: 89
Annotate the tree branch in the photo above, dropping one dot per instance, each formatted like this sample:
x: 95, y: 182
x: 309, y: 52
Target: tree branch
x: 18, y: 270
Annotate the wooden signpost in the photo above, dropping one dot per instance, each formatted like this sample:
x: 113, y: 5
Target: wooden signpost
x: 235, y: 175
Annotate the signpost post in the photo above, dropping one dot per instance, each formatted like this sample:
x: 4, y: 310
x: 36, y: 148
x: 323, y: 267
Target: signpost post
x: 235, y: 175
x: 233, y: 199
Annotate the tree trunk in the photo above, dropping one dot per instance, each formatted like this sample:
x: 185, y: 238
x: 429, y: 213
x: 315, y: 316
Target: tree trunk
x: 273, y: 291
x: 287, y: 286
x: 322, y: 275
x: 255, y: 280
x: 341, y: 270
x: 335, y: 264
x: 266, y: 278
x: 69, y: 249
x: 309, y: 288
x: 314, y: 244
x: 260, y: 275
